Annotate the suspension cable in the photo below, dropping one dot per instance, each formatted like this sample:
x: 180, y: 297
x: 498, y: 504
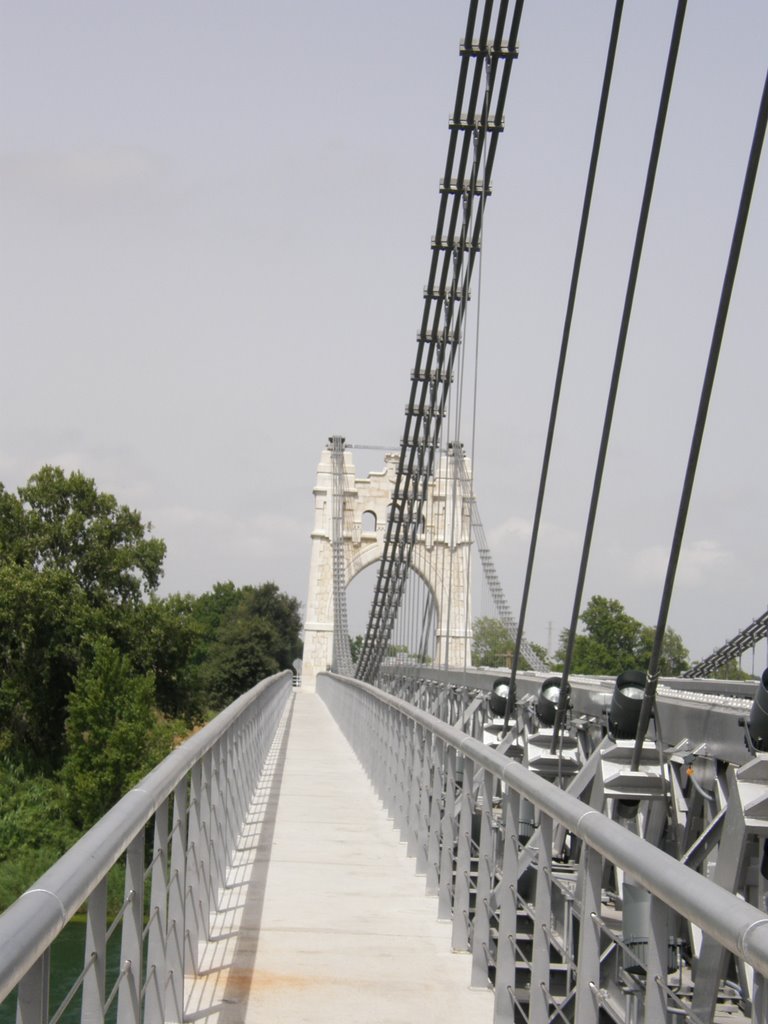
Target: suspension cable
x: 575, y: 274
x: 669, y: 75
x: 440, y: 333
x: 701, y: 419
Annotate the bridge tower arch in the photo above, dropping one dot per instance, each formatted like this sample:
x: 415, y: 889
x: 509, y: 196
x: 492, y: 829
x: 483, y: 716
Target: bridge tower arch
x: 440, y: 556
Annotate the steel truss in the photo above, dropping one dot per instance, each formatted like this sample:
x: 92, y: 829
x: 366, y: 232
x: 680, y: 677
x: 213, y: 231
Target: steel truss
x: 734, y: 648
x: 612, y: 896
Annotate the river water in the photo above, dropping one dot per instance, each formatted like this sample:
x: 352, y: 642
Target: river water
x: 66, y: 965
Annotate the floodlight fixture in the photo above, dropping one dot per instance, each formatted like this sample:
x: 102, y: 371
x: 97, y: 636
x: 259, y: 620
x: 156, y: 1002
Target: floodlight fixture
x: 758, y: 716
x: 627, y: 699
x: 499, y: 697
x: 549, y: 696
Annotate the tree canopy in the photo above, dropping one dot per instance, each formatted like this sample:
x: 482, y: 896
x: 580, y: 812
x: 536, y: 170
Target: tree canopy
x: 492, y: 644
x: 614, y: 641
x: 98, y: 673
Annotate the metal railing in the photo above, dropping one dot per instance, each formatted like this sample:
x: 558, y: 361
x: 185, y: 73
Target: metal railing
x: 196, y: 800
x: 541, y: 921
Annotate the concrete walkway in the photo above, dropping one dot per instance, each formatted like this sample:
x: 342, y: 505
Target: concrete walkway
x: 326, y: 920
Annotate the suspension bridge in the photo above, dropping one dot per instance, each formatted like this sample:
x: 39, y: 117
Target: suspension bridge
x: 403, y: 837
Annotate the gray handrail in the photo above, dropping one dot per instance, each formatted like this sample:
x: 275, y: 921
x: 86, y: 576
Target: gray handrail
x: 29, y: 926
x: 736, y: 925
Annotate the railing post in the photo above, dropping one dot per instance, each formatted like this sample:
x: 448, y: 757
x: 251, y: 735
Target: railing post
x: 506, y: 951
x: 174, y: 1008
x: 588, y: 962
x: 486, y: 869
x: 157, y: 977
x: 435, y: 809
x: 205, y: 845
x: 34, y: 991
x: 542, y: 922
x: 194, y: 876
x: 401, y: 802
x: 218, y: 811
x: 95, y: 954
x: 656, y: 965
x: 415, y: 760
x: 461, y: 899
x: 449, y: 835
x: 390, y: 778
x: 129, y: 993
x: 425, y: 790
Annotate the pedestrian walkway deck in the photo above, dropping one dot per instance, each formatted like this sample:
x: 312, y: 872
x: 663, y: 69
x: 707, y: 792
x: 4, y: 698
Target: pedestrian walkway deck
x: 324, y: 919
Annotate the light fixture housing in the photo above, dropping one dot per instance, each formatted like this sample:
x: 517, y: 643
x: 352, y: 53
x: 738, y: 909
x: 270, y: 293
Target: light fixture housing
x: 627, y: 699
x: 498, y: 699
x: 758, y: 716
x: 546, y: 705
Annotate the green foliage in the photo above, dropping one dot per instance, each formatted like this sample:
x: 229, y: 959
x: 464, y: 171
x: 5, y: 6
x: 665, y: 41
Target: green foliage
x: 615, y: 641
x: 74, y: 564
x: 96, y: 671
x: 356, y: 646
x: 69, y: 525
x: 112, y: 736
x: 250, y: 633
x: 492, y: 644
x: 730, y: 670
x: 34, y: 830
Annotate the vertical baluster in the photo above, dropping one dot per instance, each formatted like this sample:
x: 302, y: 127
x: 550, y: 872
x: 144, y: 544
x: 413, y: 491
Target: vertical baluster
x: 435, y: 818
x: 506, y: 952
x: 205, y: 846
x: 588, y: 960
x: 154, y: 1000
x: 461, y: 896
x: 129, y: 993
x: 542, y: 922
x: 425, y: 791
x: 656, y: 968
x: 481, y: 930
x: 390, y: 781
x: 33, y: 993
x: 194, y: 880
x: 225, y: 790
x: 414, y: 786
x: 95, y: 955
x: 449, y: 836
x: 174, y: 1010
x: 217, y: 828
x: 401, y: 808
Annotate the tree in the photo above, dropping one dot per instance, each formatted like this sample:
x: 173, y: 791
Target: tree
x: 615, y: 641
x: 248, y: 634
x: 492, y: 645
x: 74, y: 565
x: 70, y: 525
x: 356, y: 646
x: 113, y: 737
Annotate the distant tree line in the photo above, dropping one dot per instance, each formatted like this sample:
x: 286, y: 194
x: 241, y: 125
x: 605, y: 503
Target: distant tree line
x: 612, y: 641
x: 99, y: 676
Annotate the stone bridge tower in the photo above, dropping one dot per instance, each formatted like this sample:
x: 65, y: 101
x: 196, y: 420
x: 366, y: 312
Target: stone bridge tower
x: 440, y: 556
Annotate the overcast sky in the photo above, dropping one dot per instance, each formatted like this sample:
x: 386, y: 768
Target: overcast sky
x: 215, y: 229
